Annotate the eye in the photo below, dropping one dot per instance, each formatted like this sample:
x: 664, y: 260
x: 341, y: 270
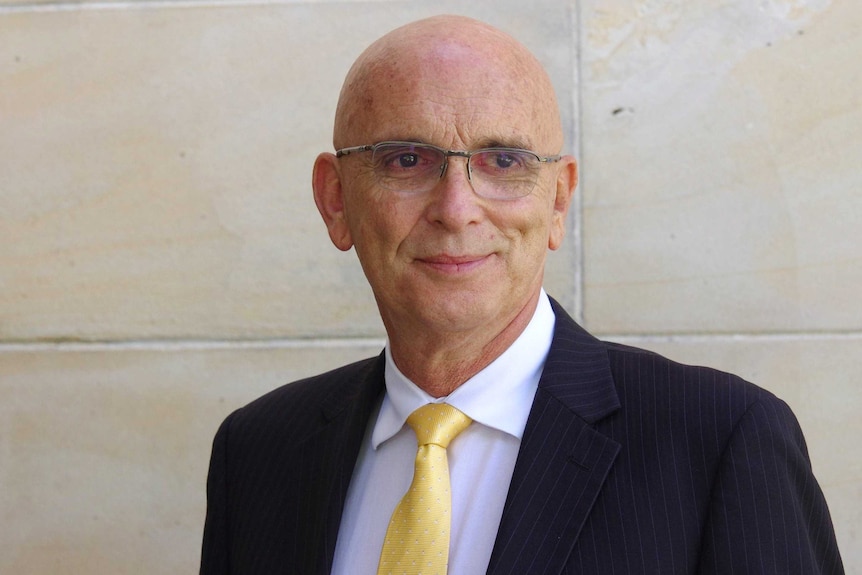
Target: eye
x: 407, y: 160
x: 502, y: 162
x: 399, y: 160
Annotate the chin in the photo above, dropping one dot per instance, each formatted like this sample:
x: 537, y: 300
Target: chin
x: 462, y: 310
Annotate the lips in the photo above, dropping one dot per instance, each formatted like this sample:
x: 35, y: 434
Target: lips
x: 452, y: 263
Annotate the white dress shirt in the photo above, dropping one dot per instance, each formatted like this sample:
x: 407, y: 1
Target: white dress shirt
x: 481, y: 459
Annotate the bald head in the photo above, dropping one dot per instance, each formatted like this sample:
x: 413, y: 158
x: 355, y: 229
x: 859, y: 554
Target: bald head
x: 459, y: 71
x: 454, y: 270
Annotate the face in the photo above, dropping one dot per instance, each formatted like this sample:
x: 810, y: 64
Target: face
x: 447, y: 260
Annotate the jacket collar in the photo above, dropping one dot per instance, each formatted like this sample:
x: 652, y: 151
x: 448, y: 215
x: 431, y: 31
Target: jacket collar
x: 563, y: 462
x: 578, y: 372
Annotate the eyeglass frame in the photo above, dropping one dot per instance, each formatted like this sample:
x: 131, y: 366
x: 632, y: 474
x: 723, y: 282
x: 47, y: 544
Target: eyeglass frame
x: 467, y: 154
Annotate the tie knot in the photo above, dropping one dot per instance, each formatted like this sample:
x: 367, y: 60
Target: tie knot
x: 437, y: 423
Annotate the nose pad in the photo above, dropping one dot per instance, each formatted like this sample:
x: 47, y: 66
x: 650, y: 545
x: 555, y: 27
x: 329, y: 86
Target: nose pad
x: 445, y: 166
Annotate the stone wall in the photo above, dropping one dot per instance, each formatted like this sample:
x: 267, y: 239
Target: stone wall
x: 162, y: 261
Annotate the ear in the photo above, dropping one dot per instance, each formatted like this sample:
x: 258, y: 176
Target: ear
x: 567, y: 181
x: 326, y: 182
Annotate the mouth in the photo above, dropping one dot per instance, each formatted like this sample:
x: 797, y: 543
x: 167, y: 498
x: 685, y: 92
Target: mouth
x: 450, y: 264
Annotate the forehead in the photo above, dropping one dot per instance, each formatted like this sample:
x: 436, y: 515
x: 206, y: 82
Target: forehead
x: 452, y: 95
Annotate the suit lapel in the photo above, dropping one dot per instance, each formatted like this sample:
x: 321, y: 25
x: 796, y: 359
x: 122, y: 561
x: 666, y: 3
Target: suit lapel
x: 561, y: 467
x: 563, y: 461
x: 335, y: 448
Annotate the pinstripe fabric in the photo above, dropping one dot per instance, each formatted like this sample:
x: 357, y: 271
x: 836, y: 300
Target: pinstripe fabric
x: 630, y: 463
x: 279, y: 474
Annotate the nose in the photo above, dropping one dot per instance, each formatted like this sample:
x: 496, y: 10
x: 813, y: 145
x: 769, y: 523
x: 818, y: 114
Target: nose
x: 456, y: 154
x: 453, y: 204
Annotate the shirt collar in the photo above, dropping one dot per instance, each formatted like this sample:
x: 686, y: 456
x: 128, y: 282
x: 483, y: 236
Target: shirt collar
x: 500, y: 396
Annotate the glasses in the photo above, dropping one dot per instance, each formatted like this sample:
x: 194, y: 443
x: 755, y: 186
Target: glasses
x: 494, y: 173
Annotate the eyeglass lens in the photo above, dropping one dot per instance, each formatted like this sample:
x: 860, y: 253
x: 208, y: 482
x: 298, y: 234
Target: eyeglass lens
x: 494, y: 173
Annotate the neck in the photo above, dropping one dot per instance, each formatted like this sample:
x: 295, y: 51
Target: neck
x: 439, y: 363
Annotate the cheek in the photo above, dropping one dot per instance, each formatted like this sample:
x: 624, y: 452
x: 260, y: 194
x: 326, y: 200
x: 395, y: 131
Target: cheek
x: 529, y: 230
x: 529, y: 220
x: 380, y: 222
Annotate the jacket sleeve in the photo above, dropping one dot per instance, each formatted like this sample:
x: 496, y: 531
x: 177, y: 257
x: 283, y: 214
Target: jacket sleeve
x: 767, y: 513
x: 214, y: 553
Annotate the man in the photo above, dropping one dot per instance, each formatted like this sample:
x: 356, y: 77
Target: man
x: 582, y: 456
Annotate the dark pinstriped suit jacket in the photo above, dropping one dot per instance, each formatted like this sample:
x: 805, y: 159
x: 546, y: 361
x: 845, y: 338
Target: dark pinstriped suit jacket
x: 630, y: 463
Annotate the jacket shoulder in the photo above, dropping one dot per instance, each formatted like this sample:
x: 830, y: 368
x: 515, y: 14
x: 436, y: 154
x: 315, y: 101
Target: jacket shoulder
x: 695, y: 393
x: 307, y: 403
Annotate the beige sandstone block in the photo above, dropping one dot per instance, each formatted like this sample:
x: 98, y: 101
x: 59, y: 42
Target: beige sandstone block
x: 721, y: 154
x: 156, y: 167
x: 160, y: 188
x: 104, y: 452
x: 818, y: 376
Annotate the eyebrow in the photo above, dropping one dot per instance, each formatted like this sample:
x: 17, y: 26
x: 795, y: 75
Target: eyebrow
x: 491, y: 142
x: 487, y: 142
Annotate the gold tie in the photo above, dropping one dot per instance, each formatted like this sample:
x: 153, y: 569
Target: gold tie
x: 417, y: 541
